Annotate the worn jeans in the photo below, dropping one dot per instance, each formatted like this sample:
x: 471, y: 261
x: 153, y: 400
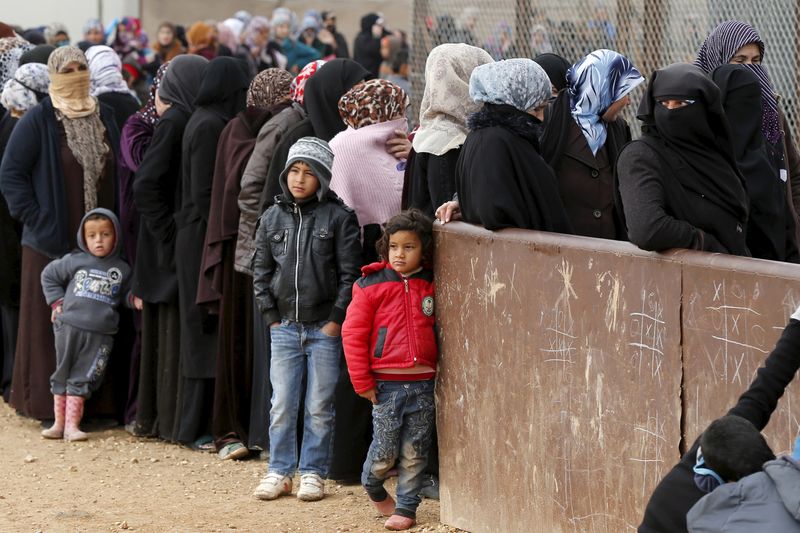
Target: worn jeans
x: 403, y: 422
x: 298, y: 349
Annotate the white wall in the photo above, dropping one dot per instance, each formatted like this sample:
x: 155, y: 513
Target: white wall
x: 72, y: 13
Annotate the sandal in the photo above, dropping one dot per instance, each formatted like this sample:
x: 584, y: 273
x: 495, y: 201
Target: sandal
x: 233, y: 450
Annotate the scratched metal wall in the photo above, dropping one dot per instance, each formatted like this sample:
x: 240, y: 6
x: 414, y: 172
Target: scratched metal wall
x: 559, y: 405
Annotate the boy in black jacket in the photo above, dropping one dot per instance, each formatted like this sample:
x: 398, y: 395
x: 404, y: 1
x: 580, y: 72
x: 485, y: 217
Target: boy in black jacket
x: 306, y: 260
x: 688, y: 481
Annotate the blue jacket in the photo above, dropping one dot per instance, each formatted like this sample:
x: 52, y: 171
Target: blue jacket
x: 31, y: 178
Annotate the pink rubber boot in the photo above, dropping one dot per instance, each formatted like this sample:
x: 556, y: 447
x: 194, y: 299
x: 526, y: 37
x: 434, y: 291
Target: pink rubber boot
x: 56, y: 431
x: 74, y: 414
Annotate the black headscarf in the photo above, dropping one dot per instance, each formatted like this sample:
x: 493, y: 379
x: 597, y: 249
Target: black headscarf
x: 556, y: 68
x: 38, y: 54
x: 323, y: 91
x: 224, y: 87
x: 741, y: 91
x: 697, y: 134
x: 182, y: 81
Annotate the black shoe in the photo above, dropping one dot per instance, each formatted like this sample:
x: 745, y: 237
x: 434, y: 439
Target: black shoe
x: 430, y: 487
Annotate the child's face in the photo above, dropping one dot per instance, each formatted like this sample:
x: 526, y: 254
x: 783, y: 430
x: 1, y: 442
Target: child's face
x: 302, y: 182
x: 99, y: 236
x: 405, y: 251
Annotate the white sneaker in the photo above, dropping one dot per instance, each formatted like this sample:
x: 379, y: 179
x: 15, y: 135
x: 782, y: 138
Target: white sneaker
x: 272, y: 486
x: 312, y: 488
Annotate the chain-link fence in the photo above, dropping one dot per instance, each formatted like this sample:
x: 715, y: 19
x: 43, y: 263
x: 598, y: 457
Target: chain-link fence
x: 652, y: 33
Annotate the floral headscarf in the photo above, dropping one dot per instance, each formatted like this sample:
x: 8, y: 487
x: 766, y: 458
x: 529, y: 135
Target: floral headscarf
x: 26, y: 88
x: 446, y: 103
x: 520, y: 83
x: 299, y: 83
x: 268, y: 88
x: 594, y: 83
x: 721, y: 46
x: 148, y: 111
x: 11, y: 48
x: 372, y: 102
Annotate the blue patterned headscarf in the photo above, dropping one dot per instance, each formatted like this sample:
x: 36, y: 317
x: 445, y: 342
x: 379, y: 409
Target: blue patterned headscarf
x: 520, y: 83
x: 594, y: 83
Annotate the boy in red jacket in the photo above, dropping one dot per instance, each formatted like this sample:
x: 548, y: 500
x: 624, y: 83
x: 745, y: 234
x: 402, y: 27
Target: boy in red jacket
x: 390, y: 346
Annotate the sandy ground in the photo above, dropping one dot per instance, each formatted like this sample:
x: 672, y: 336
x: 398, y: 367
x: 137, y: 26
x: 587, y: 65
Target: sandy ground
x: 116, y: 482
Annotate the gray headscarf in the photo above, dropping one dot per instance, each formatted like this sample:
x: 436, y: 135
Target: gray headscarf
x: 520, y: 83
x: 182, y: 81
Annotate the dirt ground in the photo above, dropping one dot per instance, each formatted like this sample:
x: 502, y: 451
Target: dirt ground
x: 116, y: 482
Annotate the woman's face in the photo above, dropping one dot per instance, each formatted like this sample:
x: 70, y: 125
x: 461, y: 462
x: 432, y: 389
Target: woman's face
x: 165, y: 35
x: 616, y: 108
x: 281, y: 31
x: 261, y: 37
x: 538, y: 112
x: 94, y: 35
x: 72, y: 66
x: 161, y: 105
x: 748, y: 54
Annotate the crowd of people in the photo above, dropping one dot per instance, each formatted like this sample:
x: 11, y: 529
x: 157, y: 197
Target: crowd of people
x: 237, y: 184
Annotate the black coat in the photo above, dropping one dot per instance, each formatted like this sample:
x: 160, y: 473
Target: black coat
x: 157, y: 192
x: 430, y: 180
x: 30, y: 178
x: 10, y: 234
x: 123, y: 104
x: 660, y: 214
x: 502, y: 180
x: 677, y: 492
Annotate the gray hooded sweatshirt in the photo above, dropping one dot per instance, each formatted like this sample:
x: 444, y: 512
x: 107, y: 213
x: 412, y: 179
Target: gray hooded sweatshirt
x: 764, y: 501
x: 91, y: 287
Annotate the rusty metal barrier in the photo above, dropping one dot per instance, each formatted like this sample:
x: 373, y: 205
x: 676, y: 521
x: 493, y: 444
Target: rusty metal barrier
x: 574, y: 371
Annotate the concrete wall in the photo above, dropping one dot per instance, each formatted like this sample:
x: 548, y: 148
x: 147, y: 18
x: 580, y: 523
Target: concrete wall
x: 559, y: 396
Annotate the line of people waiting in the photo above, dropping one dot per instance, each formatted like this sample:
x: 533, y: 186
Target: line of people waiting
x: 534, y: 144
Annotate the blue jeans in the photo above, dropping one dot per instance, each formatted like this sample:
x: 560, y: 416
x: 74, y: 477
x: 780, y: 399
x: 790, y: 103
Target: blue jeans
x: 298, y: 349
x: 403, y: 422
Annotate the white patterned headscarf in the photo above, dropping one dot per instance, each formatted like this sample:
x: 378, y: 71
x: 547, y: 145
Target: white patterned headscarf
x: 105, y: 69
x: 11, y: 49
x: 520, y: 83
x: 446, y: 103
x: 23, y: 91
x: 594, y: 83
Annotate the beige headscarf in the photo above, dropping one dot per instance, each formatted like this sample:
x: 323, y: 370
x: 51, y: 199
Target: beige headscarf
x: 446, y: 103
x: 80, y: 115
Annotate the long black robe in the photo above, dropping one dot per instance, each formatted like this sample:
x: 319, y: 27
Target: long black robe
x: 502, y: 180
x: 221, y: 95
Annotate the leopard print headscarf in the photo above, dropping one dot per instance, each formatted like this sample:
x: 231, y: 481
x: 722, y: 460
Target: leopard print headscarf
x: 372, y: 102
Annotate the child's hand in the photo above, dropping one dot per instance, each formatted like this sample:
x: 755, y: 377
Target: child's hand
x: 138, y: 304
x: 370, y: 395
x: 57, y: 310
x: 331, y: 329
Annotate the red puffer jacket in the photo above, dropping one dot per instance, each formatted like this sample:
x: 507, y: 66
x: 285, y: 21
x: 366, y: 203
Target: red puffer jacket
x: 389, y: 324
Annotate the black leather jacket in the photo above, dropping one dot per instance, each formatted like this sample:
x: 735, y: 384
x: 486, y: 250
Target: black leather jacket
x: 307, y: 259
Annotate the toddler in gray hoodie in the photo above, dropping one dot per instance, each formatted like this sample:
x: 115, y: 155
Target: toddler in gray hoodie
x: 84, y: 289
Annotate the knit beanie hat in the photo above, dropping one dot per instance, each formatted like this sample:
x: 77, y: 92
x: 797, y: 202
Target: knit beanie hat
x: 315, y: 153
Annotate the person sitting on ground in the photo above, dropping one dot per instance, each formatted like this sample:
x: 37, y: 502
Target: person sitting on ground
x: 501, y: 179
x: 390, y: 346
x: 690, y: 479
x: 679, y: 185
x: 306, y: 261
x: 766, y: 500
x: 84, y: 289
